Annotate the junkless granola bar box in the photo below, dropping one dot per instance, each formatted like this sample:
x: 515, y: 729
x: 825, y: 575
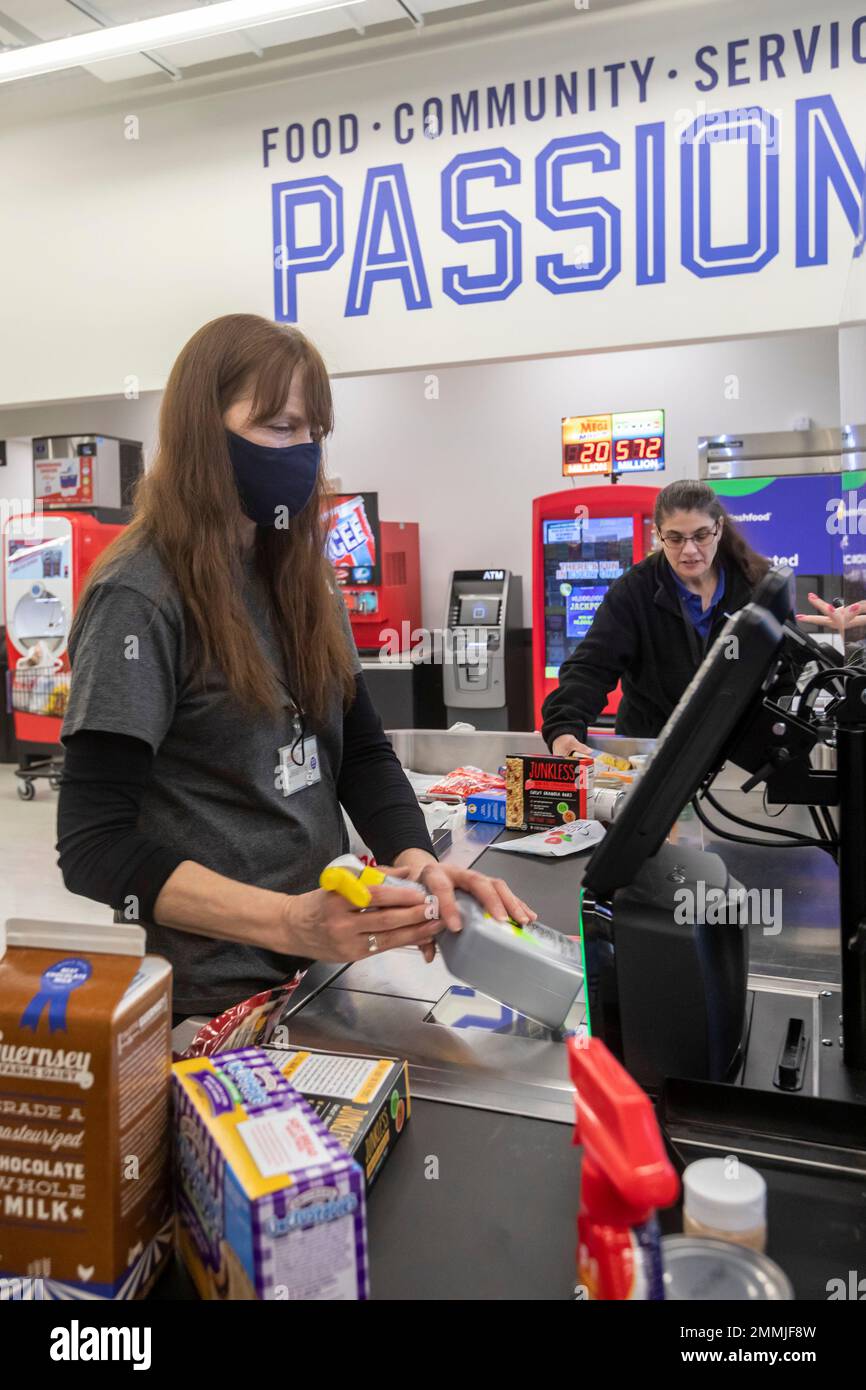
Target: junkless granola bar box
x: 543, y: 791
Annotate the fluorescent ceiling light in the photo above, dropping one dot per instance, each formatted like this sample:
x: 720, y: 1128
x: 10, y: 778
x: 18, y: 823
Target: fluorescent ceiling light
x: 160, y: 32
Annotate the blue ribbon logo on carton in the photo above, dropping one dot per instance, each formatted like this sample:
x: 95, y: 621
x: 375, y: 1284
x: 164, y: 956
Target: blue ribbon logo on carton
x: 56, y: 985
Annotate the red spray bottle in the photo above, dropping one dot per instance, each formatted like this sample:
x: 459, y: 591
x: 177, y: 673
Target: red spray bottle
x: 625, y: 1176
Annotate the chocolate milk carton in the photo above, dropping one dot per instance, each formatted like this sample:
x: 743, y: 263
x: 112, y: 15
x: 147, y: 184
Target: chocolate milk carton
x: 85, y: 1020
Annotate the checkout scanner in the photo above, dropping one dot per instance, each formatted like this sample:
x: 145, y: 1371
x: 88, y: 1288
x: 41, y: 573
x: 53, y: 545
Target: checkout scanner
x: 664, y: 927
x: 482, y: 676
x: 670, y: 998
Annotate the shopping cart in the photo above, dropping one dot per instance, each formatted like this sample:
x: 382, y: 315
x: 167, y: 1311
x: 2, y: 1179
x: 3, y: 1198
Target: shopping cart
x: 42, y: 691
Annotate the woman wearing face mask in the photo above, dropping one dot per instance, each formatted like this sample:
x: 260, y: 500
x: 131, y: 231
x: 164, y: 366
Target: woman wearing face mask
x: 656, y: 622
x: 218, y: 719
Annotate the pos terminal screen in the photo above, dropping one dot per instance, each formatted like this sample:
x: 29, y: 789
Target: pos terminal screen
x: 582, y: 557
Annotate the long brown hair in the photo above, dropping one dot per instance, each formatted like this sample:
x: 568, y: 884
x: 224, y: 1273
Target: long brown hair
x: 691, y: 495
x: 187, y: 506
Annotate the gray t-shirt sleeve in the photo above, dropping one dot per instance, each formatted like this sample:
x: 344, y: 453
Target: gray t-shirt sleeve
x: 126, y: 661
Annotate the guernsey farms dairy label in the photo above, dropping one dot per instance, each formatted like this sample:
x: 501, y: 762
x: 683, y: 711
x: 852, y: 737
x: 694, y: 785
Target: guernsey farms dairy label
x: 46, y: 1064
x: 84, y: 1061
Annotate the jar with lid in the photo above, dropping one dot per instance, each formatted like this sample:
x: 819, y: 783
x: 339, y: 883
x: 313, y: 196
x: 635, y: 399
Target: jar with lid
x: 725, y: 1199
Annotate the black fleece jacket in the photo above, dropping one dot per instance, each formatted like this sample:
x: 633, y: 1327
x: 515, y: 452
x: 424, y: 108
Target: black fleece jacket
x: 639, y: 636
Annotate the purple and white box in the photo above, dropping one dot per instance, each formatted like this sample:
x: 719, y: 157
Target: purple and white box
x: 270, y: 1205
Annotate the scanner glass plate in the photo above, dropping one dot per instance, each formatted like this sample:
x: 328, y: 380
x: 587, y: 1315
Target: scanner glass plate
x: 462, y: 1007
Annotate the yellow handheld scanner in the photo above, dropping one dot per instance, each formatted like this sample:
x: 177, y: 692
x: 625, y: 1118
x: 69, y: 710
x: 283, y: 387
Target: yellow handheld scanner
x: 353, y: 880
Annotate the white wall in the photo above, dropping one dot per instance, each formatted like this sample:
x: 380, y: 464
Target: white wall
x: 468, y: 464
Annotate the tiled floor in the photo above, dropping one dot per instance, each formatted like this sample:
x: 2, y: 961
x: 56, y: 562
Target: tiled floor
x: 30, y: 881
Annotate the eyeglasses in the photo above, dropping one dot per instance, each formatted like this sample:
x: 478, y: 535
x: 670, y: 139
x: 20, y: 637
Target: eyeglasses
x: 674, y: 541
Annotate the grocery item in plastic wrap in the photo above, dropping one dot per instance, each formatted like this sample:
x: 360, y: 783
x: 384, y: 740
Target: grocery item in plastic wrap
x: 463, y: 781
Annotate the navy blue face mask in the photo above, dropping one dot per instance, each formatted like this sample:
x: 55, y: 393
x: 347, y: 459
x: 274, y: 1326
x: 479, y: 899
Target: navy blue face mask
x: 273, y: 484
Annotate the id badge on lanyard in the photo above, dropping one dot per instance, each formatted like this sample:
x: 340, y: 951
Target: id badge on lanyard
x: 299, y: 764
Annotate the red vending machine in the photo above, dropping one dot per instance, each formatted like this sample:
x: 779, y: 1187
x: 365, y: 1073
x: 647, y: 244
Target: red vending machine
x: 378, y: 567
x: 582, y: 540
x: 83, y: 486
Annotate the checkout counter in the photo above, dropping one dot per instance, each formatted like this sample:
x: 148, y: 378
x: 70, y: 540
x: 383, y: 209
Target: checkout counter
x: 479, y: 1199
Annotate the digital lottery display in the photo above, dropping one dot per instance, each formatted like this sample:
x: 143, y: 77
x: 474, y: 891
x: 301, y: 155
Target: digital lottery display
x: 631, y: 441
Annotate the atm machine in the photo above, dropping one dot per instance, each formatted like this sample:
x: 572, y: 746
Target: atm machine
x: 482, y: 672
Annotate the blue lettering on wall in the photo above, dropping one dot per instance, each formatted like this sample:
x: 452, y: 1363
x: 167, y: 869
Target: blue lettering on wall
x: 650, y: 203
x: 598, y: 215
x: 712, y: 77
x: 825, y: 155
x: 757, y: 129
x: 732, y: 154
x: 499, y: 228
x: 386, y: 216
x: 465, y: 111
x: 403, y: 133
x: 292, y: 259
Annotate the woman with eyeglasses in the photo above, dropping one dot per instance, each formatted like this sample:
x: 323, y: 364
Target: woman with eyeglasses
x: 656, y: 622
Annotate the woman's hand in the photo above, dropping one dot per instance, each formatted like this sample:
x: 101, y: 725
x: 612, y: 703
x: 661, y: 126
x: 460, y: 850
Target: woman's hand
x: 325, y: 927
x: 839, y: 619
x: 493, y: 894
x: 567, y: 746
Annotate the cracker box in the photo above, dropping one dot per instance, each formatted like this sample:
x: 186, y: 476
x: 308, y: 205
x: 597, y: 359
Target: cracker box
x: 364, y: 1101
x: 85, y: 1053
x: 545, y: 791
x: 488, y: 807
x: 270, y: 1205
